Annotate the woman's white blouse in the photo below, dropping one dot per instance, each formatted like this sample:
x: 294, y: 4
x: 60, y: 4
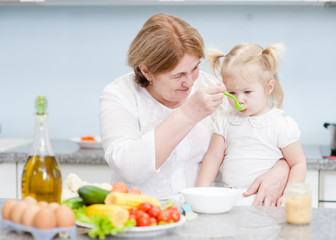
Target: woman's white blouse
x: 128, y: 117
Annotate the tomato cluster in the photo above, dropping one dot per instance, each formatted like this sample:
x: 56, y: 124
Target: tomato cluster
x: 147, y: 214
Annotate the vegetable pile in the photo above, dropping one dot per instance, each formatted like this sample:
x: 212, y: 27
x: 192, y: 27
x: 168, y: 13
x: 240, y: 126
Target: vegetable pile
x: 88, y: 138
x: 118, y: 210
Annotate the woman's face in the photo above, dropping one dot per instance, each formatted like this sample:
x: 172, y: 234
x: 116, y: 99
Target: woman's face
x: 173, y: 87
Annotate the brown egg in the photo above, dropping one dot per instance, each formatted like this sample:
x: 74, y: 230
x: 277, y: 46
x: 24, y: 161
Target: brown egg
x: 29, y: 214
x: 45, y: 218
x: 65, y: 217
x: 30, y: 200
x: 16, y: 213
x: 53, y: 205
x: 7, y: 207
x: 43, y: 204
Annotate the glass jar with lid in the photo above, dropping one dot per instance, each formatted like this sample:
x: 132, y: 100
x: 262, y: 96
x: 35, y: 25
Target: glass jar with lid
x: 298, y: 205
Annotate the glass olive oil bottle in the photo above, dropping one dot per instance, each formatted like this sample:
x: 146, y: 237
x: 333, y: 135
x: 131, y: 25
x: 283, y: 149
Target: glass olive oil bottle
x: 41, y: 176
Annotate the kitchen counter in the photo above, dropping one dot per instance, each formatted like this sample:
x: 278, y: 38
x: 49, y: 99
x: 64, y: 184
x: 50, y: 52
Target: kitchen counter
x: 239, y: 223
x: 65, y: 152
x: 69, y: 152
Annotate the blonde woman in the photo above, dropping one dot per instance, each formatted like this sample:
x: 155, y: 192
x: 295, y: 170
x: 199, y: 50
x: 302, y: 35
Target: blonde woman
x: 248, y: 143
x: 154, y: 121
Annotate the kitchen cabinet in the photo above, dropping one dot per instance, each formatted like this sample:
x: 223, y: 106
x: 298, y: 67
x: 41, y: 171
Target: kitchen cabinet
x: 8, y: 176
x: 312, y: 179
x: 92, y: 173
x: 323, y: 193
x: 327, y: 193
x: 91, y: 166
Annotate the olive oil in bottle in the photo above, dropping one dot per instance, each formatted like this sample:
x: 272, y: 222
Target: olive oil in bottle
x: 41, y: 176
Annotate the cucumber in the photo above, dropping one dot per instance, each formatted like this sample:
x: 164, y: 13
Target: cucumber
x: 92, y: 194
x: 74, y: 203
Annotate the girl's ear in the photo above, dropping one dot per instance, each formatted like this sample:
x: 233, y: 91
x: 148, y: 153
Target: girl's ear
x: 270, y: 86
x: 144, y: 70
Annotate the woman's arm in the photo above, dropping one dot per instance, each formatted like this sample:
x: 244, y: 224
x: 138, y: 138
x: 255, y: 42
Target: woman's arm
x: 211, y: 161
x: 172, y: 130
x: 136, y: 156
x: 269, y: 186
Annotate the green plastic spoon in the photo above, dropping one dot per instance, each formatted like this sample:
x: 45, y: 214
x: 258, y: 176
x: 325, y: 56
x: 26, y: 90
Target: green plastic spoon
x: 237, y: 105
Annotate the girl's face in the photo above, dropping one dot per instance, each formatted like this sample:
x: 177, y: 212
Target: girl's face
x: 249, y: 91
x: 173, y: 87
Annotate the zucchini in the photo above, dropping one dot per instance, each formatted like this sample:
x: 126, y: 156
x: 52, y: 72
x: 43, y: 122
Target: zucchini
x: 92, y: 194
x: 74, y: 203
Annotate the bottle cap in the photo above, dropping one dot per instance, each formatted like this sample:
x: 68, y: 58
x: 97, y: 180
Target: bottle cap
x: 41, y: 104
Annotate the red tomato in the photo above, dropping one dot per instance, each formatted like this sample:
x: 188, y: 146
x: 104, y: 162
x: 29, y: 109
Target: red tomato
x: 164, y: 216
x: 143, y: 219
x: 154, y: 211
x: 141, y: 214
x: 173, y: 208
x: 145, y: 206
x: 175, y: 216
x: 133, y: 210
x: 132, y: 216
x: 153, y: 221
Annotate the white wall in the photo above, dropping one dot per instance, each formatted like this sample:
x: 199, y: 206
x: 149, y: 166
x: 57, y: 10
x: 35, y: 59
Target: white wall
x: 69, y: 53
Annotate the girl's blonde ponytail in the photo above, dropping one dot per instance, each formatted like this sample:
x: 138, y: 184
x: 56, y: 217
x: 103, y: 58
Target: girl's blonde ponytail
x: 213, y: 59
x: 272, y: 53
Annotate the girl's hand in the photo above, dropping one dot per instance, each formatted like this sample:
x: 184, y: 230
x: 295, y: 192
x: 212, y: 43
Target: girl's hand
x: 203, y: 102
x: 269, y: 186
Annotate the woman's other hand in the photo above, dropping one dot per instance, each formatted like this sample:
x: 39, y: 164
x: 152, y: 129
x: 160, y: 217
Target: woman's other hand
x: 281, y: 202
x: 203, y: 102
x: 269, y: 187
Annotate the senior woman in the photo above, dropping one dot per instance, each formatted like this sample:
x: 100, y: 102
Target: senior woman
x: 154, y: 121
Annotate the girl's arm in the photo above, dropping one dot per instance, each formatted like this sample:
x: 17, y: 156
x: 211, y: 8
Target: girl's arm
x: 294, y: 155
x: 211, y: 161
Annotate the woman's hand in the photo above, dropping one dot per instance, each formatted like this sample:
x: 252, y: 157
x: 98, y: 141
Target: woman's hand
x: 203, y: 102
x: 270, y: 186
x: 281, y: 201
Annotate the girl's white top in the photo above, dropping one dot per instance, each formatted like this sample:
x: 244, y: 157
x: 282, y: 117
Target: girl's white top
x: 252, y: 143
x: 128, y: 117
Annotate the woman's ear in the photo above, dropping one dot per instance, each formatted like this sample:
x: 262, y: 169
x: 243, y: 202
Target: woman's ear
x: 145, y: 72
x: 270, y: 86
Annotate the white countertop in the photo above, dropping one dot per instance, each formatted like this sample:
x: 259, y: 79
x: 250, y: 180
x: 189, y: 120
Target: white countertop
x: 11, y: 143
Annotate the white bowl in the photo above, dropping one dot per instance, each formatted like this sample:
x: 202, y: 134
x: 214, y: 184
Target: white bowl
x: 210, y: 199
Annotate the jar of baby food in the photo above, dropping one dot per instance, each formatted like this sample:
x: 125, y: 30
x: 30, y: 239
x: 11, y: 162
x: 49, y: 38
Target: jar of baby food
x: 298, y: 205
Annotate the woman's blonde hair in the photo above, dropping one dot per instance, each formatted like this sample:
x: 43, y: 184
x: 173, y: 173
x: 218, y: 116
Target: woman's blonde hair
x: 246, y: 53
x: 161, y: 43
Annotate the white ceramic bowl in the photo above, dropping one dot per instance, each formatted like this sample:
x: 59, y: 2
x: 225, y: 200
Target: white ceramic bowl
x: 210, y: 199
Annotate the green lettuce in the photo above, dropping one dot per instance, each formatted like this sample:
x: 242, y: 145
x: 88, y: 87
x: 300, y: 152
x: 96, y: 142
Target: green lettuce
x: 101, y: 226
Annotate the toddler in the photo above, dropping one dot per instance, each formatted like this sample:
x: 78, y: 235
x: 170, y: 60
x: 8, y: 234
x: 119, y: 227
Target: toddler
x: 246, y: 144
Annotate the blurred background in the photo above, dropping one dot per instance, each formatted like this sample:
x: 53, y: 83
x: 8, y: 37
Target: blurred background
x: 69, y: 52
